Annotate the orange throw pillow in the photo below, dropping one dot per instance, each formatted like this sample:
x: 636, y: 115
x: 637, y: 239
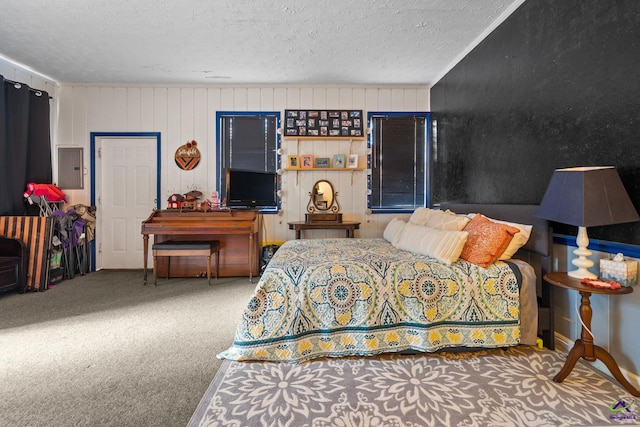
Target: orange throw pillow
x: 486, y: 241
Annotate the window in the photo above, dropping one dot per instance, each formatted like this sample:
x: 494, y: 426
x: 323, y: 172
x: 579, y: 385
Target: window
x: 247, y: 141
x: 398, y: 161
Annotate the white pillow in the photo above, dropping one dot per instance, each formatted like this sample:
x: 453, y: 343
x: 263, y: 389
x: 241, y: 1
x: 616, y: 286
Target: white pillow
x: 447, y: 220
x: 393, y: 229
x: 519, y: 239
x: 420, y: 216
x: 435, y: 218
x: 443, y: 245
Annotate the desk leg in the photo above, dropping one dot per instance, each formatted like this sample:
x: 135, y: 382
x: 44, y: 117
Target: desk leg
x: 145, y: 251
x: 297, y: 233
x: 250, y: 257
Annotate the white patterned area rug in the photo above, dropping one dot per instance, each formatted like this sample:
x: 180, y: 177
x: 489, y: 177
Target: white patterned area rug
x: 512, y: 387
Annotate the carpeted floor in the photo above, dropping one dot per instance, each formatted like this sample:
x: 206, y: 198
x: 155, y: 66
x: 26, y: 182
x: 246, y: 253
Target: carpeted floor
x: 483, y: 388
x: 104, y: 350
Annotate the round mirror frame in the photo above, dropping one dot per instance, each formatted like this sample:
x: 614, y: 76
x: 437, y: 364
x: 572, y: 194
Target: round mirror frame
x: 323, y: 198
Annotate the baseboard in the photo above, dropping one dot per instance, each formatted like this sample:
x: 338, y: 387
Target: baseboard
x: 565, y: 344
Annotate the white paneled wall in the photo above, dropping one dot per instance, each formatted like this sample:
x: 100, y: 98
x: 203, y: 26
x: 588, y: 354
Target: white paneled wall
x: 182, y: 114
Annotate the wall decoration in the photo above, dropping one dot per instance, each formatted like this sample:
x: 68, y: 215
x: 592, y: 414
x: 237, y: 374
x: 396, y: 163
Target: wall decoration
x: 324, y: 123
x: 338, y: 161
x: 352, y: 161
x: 294, y: 161
x: 322, y: 162
x: 306, y: 161
x: 187, y: 156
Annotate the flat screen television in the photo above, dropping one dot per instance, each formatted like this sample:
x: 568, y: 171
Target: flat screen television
x: 250, y: 189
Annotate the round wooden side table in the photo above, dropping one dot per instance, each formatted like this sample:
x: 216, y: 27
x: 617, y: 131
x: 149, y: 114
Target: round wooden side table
x: 584, y: 346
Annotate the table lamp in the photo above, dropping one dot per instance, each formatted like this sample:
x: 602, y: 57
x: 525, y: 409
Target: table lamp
x: 586, y: 197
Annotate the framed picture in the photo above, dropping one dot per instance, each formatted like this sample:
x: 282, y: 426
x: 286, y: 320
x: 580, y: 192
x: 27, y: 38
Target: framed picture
x: 321, y: 162
x: 338, y: 161
x: 326, y: 123
x: 306, y: 161
x: 352, y: 161
x: 294, y: 161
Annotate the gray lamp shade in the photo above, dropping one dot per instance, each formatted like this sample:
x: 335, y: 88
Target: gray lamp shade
x: 587, y: 197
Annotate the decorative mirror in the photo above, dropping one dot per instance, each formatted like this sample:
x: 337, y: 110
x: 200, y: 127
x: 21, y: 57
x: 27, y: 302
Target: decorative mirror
x: 323, y: 203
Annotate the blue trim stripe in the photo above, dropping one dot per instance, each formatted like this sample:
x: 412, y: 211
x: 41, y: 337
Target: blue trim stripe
x: 632, y: 251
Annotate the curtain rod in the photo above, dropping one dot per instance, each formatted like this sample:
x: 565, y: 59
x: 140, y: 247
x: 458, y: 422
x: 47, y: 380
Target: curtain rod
x: 18, y: 85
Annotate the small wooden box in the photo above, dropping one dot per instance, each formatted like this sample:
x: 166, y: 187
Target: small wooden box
x: 322, y: 218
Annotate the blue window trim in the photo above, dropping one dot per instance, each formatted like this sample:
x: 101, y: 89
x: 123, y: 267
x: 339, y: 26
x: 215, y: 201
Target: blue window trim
x: 219, y: 116
x: 632, y: 251
x: 427, y: 116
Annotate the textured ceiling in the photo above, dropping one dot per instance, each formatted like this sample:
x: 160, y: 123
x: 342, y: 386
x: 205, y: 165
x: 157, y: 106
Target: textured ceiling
x: 244, y: 41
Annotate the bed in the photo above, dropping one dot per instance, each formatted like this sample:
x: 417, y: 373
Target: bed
x: 362, y: 297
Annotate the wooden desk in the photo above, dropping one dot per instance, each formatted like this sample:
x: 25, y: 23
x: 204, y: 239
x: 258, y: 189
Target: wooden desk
x: 584, y: 346
x: 236, y: 230
x: 348, y: 226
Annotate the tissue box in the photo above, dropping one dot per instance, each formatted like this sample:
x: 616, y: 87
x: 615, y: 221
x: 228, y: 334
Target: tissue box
x: 623, y: 272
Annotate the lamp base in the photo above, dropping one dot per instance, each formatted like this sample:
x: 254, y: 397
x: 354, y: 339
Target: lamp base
x: 582, y: 273
x: 582, y: 262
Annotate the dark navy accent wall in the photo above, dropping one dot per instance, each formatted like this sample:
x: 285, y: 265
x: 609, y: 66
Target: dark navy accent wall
x: 557, y: 84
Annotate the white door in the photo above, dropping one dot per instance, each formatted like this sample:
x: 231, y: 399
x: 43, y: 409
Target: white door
x: 126, y: 196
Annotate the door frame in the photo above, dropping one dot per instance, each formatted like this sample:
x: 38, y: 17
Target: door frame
x: 97, y: 136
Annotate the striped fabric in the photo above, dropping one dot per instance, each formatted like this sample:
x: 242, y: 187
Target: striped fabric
x: 36, y: 233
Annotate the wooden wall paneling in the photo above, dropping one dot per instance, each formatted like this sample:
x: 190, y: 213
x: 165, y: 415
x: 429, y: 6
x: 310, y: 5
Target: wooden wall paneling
x: 397, y: 99
x: 160, y: 107
x: 133, y: 110
x: 384, y: 99
x: 346, y: 97
x: 240, y: 99
x: 254, y: 99
x: 213, y: 106
x: 76, y: 129
x: 120, y: 113
x: 69, y: 97
x: 146, y: 110
x: 201, y: 135
x: 293, y: 98
x: 173, y: 141
x: 106, y: 109
x: 320, y: 98
x: 186, y: 123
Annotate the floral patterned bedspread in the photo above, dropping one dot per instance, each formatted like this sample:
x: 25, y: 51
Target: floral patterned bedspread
x: 345, y: 297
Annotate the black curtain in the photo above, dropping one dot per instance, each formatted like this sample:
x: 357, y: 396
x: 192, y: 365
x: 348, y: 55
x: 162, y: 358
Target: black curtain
x: 25, y: 143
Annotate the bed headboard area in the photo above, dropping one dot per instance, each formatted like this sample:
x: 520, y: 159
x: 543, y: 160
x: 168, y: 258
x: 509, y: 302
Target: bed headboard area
x: 537, y: 252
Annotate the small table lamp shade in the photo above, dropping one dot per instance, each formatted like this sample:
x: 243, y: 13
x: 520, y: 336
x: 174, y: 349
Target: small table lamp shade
x: 586, y: 197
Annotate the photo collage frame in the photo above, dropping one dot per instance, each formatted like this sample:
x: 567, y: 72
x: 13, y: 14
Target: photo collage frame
x: 324, y: 123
